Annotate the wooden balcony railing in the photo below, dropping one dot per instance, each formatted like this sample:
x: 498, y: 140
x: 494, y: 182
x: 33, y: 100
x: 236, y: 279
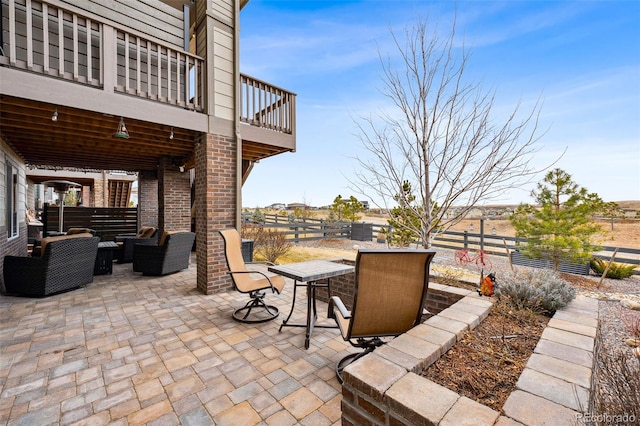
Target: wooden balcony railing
x: 63, y: 43
x: 50, y: 40
x: 266, y: 106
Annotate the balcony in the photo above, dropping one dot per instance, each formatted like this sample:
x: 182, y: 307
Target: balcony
x: 95, y: 70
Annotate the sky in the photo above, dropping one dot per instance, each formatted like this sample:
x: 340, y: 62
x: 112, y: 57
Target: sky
x: 581, y: 59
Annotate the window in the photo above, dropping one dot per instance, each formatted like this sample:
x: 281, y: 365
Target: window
x: 12, y: 201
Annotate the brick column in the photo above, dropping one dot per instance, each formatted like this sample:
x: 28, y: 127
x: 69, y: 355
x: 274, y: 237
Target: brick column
x: 174, y: 197
x: 86, y: 196
x: 98, y: 193
x: 215, y: 200
x: 148, y: 199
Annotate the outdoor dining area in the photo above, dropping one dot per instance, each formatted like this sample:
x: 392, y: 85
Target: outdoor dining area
x: 152, y: 349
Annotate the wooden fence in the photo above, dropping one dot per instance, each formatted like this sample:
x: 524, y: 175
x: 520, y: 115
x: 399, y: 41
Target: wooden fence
x: 107, y: 222
x: 494, y: 245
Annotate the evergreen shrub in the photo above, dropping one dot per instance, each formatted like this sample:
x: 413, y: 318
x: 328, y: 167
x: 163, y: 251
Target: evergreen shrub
x: 539, y: 290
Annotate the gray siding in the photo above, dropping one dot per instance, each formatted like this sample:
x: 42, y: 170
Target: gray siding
x: 151, y: 17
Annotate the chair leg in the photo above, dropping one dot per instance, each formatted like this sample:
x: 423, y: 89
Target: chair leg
x: 257, y: 302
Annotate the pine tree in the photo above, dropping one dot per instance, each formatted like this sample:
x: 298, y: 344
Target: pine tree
x: 403, y: 220
x: 559, y: 228
x: 347, y: 209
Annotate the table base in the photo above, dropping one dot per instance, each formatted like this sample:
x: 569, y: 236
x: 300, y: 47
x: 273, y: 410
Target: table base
x: 312, y: 311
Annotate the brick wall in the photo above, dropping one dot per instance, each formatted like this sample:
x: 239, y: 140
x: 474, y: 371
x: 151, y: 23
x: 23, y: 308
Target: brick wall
x: 174, y: 197
x: 148, y: 199
x: 216, y: 204
x: 86, y: 196
x: 440, y: 297
x: 341, y: 286
x: 98, y: 193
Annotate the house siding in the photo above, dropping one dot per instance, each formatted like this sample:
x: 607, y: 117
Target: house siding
x: 16, y: 246
x: 216, y: 42
x: 149, y: 17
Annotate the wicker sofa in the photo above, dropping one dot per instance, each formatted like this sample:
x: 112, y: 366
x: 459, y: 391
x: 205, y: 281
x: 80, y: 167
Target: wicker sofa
x: 147, y: 235
x: 66, y: 263
x: 172, y: 254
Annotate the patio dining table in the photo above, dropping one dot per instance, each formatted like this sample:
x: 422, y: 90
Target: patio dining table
x: 308, y: 274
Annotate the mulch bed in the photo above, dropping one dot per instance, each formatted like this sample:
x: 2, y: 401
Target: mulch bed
x: 486, y: 364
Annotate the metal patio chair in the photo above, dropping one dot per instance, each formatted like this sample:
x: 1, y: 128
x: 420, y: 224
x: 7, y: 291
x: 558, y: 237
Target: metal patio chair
x: 389, y: 296
x: 245, y: 281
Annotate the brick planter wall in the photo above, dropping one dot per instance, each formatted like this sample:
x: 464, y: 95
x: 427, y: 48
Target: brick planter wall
x: 341, y: 286
x: 386, y: 388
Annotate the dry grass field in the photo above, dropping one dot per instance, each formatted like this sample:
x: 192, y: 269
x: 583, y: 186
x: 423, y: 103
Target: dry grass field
x: 624, y: 234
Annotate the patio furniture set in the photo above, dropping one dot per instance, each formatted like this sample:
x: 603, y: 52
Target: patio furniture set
x: 390, y: 289
x: 66, y: 262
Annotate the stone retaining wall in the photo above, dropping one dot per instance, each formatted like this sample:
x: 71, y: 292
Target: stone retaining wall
x: 386, y: 388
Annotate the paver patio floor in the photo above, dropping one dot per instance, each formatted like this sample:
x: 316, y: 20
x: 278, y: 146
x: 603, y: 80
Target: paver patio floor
x: 136, y: 350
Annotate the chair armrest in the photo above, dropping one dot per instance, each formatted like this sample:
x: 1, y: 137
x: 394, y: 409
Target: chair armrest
x: 260, y: 262
x: 336, y: 303
x: 22, y: 272
x: 255, y: 272
x: 146, y: 249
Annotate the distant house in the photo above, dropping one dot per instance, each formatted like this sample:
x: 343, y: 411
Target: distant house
x: 293, y: 206
x: 277, y: 206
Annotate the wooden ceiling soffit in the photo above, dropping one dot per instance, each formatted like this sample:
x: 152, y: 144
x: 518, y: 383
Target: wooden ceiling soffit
x: 253, y: 151
x: 84, y: 139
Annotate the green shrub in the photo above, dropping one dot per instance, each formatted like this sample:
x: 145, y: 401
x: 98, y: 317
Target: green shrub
x: 616, y: 271
x: 257, y: 217
x: 539, y: 290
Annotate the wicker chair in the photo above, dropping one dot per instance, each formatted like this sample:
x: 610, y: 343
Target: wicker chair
x: 65, y: 264
x: 256, y: 310
x: 389, y: 294
x: 147, y: 235
x: 172, y: 254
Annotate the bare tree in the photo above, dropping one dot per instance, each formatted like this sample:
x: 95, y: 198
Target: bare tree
x: 441, y: 136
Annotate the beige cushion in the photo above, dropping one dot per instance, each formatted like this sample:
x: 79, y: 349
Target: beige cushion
x: 48, y: 240
x: 145, y: 232
x: 163, y: 238
x: 73, y: 231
